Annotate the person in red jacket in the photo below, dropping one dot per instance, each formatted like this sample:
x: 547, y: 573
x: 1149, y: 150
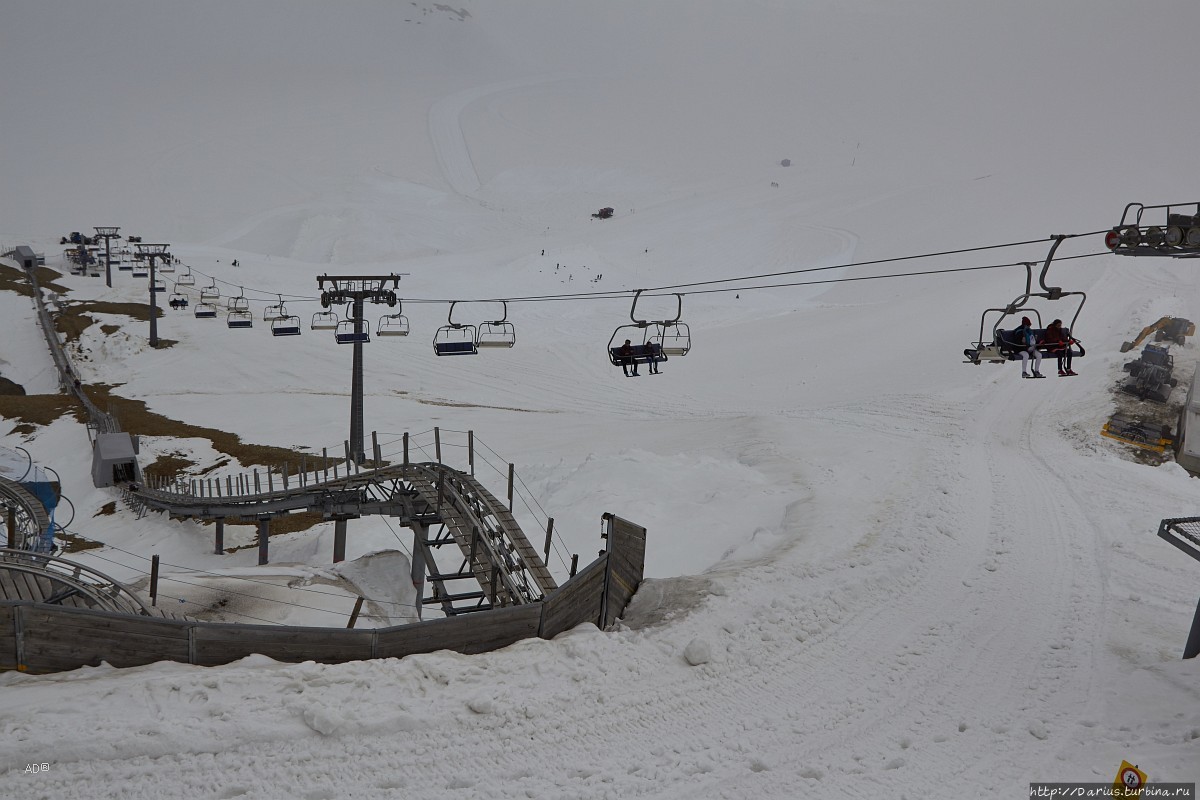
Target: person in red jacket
x: 1059, y: 345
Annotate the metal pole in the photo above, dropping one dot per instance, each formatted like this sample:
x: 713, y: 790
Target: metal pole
x: 219, y: 538
x: 108, y: 261
x: 549, y: 534
x: 264, y: 532
x: 356, y: 390
x: 406, y: 448
x: 339, y: 540
x: 1192, y: 648
x: 471, y: 451
x: 12, y: 526
x: 437, y: 444
x: 511, y: 471
x: 153, y: 307
x: 154, y: 580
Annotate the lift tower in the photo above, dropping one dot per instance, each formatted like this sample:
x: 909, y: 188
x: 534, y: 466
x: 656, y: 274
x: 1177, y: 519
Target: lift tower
x: 355, y: 290
x: 107, y: 234
x: 152, y: 252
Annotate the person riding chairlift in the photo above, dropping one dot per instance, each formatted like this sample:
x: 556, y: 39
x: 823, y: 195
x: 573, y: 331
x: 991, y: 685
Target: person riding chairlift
x: 1058, y: 343
x: 1026, y: 339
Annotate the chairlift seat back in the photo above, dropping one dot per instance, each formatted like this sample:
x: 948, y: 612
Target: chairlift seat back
x: 240, y: 319
x: 640, y: 354
x: 285, y: 326
x: 457, y: 348
x: 205, y: 311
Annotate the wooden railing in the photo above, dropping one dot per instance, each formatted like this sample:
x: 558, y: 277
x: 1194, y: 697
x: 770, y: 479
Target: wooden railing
x: 39, y: 638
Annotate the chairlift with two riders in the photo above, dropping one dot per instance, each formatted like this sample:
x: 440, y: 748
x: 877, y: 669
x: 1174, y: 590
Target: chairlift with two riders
x: 651, y: 340
x: 999, y: 345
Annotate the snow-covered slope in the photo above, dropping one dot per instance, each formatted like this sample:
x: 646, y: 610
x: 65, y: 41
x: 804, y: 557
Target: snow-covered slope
x: 911, y: 576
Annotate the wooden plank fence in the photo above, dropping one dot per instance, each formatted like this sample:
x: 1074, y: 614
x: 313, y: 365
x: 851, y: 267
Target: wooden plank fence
x: 40, y: 638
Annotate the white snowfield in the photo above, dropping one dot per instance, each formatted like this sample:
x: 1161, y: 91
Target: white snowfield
x: 874, y: 571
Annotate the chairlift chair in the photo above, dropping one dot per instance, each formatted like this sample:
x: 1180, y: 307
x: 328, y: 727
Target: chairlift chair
x: 238, y: 304
x: 205, y: 311
x: 141, y: 271
x: 454, y: 338
x: 167, y: 266
x: 996, y: 345
x: 392, y: 325
x: 210, y: 294
x: 324, y: 321
x: 240, y: 319
x: 675, y: 338
x: 285, y: 326
x: 497, y: 333
x: 125, y: 266
x: 178, y: 301
x: 353, y: 331
x: 650, y: 338
x: 186, y: 279
x: 275, y: 311
x: 158, y: 286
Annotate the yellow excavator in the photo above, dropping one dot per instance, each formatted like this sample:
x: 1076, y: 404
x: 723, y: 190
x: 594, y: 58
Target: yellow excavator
x: 1172, y: 328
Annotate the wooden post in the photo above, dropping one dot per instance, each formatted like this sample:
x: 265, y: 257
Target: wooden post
x: 154, y: 580
x: 437, y: 444
x: 303, y: 472
x: 12, y: 526
x: 574, y: 563
x: 325, y: 461
x: 511, y: 473
x: 285, y: 476
x: 441, y: 483
x: 354, y: 614
x: 219, y: 538
x: 339, y: 539
x: 420, y: 536
x: 264, y: 532
x: 218, y: 487
x: 229, y: 485
x: 471, y: 451
x: 192, y: 485
x: 549, y: 534
x: 406, y: 448
x: 270, y: 480
x: 210, y: 489
x: 257, y: 483
x: 375, y: 451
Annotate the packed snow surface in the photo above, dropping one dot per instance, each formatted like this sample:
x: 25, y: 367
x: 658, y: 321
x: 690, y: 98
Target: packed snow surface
x: 873, y: 570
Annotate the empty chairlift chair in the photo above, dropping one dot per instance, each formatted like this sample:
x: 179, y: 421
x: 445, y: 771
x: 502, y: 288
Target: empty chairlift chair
x: 205, y: 311
x: 497, y: 333
x: 285, y: 326
x: 324, y: 321
x: 186, y: 279
x: 274, y: 311
x: 210, y: 294
x: 352, y: 331
x: 455, y: 339
x: 392, y: 325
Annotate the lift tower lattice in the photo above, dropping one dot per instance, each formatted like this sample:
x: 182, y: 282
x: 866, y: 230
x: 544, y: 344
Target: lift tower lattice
x: 355, y: 290
x: 107, y: 234
x: 152, y: 252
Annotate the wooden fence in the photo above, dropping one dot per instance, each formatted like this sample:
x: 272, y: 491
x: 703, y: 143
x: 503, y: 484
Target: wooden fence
x: 39, y: 638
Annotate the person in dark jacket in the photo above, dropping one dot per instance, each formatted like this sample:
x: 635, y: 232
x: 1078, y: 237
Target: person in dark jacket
x: 627, y: 359
x: 1059, y: 344
x: 1026, y: 339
